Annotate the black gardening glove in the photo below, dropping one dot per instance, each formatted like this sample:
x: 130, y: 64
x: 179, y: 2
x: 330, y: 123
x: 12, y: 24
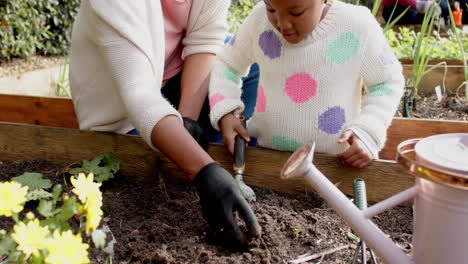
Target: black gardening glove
x: 220, y: 197
x: 194, y: 128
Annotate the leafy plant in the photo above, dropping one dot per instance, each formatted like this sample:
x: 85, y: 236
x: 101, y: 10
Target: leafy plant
x: 50, y: 238
x: 62, y: 86
x: 422, y: 51
x: 37, y: 185
x: 238, y: 11
x: 28, y: 27
x: 103, y: 166
x: 457, y: 34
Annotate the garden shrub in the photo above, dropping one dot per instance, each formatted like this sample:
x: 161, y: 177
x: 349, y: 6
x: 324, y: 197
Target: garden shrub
x: 29, y: 27
x: 238, y: 11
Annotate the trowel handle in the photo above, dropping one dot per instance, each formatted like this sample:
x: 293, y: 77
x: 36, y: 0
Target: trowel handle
x: 239, y: 149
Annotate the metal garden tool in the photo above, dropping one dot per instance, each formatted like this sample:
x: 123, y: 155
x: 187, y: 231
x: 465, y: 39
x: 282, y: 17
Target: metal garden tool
x: 439, y: 164
x: 360, y: 200
x: 239, y: 165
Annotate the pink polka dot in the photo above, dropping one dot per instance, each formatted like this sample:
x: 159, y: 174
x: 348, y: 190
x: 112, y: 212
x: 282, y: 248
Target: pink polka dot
x: 261, y: 100
x: 215, y: 98
x: 300, y: 87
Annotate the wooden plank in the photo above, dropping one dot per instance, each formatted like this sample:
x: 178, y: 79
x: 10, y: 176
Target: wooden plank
x: 140, y: 163
x: 48, y: 111
x: 402, y: 129
x: 59, y: 112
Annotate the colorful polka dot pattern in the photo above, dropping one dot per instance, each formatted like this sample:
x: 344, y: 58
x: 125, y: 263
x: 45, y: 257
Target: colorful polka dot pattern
x: 387, y: 57
x: 270, y: 44
x: 381, y: 89
x: 215, y: 98
x: 343, y: 48
x: 261, y: 100
x: 284, y: 143
x: 332, y: 120
x: 300, y: 87
x: 230, y: 75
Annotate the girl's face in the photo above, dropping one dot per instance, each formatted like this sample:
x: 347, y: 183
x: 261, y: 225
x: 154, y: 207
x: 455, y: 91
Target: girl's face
x: 294, y: 19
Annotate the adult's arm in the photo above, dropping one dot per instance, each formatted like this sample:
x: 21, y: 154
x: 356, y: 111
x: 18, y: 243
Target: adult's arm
x: 120, y: 30
x: 205, y: 35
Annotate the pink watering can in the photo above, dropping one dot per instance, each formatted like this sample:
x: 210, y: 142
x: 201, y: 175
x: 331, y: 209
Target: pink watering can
x: 440, y: 193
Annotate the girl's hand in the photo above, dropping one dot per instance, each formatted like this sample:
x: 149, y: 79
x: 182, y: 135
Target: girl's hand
x: 230, y: 127
x: 357, y: 155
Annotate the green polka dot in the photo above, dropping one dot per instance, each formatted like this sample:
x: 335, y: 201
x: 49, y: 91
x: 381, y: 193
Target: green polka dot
x: 380, y: 89
x: 343, y: 48
x: 230, y: 75
x: 284, y: 143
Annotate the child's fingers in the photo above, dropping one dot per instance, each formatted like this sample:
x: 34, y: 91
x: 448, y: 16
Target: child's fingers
x: 228, y: 139
x: 347, y: 153
x: 241, y: 131
x: 345, y: 136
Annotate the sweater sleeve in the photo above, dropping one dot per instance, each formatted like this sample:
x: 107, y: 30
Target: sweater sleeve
x: 229, y: 67
x: 383, y: 76
x: 120, y: 30
x: 206, y: 28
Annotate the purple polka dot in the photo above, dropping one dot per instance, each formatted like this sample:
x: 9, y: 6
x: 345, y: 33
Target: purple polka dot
x: 464, y: 140
x: 232, y: 40
x: 332, y: 120
x: 270, y: 44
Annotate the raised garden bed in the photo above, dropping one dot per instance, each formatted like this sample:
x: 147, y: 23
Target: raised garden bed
x: 155, y: 221
x: 161, y: 222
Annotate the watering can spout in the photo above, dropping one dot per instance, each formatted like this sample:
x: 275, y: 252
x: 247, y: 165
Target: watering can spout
x: 300, y: 164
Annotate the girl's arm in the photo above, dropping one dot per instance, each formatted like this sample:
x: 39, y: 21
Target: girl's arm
x: 230, y: 66
x: 383, y: 76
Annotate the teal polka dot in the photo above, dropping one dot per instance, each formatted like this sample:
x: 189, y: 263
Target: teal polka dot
x: 381, y: 89
x: 284, y: 143
x: 343, y: 48
x: 230, y: 75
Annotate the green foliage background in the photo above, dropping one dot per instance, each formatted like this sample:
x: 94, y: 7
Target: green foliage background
x: 238, y: 12
x: 29, y: 27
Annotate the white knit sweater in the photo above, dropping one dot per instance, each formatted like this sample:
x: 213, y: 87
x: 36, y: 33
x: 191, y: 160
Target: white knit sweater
x: 311, y: 91
x: 117, y: 60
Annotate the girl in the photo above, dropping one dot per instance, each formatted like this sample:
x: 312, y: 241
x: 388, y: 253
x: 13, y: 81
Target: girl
x: 313, y: 57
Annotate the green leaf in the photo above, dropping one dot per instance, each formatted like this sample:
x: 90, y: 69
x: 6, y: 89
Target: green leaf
x: 103, y: 167
x: 38, y: 195
x: 33, y: 180
x: 7, y: 245
x: 352, y: 236
x: 296, y: 230
x: 57, y: 190
x: 69, y: 208
x: 99, y: 238
x: 46, y: 208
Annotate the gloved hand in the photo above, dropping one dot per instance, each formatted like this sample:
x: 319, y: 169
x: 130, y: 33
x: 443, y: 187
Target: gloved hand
x: 196, y: 131
x: 220, y: 197
x: 423, y: 6
x: 245, y: 190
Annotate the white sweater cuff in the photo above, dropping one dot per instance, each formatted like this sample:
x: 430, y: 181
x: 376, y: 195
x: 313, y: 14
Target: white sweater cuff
x: 151, y: 117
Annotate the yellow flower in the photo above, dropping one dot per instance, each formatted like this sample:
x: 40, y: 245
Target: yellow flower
x: 88, y: 192
x: 93, y: 212
x: 30, y: 237
x: 66, y: 248
x: 85, y: 186
x: 12, y: 198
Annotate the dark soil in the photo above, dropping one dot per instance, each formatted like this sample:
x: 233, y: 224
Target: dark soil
x: 161, y: 223
x: 449, y: 108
